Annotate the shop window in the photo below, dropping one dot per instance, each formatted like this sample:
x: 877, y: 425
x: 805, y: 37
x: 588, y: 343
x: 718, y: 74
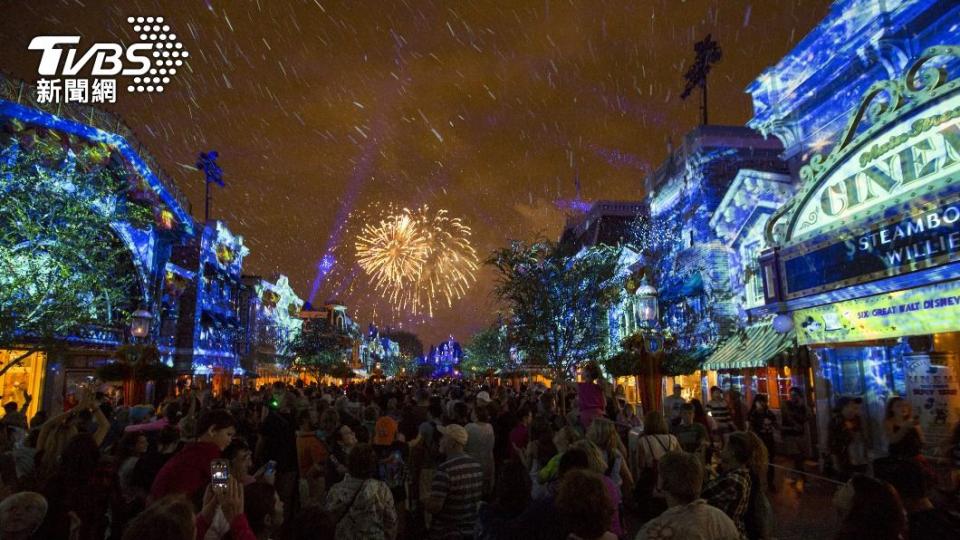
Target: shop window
x: 26, y: 376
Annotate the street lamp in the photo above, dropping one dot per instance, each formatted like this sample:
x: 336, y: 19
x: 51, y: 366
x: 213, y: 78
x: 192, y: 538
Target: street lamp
x: 140, y: 323
x: 645, y: 300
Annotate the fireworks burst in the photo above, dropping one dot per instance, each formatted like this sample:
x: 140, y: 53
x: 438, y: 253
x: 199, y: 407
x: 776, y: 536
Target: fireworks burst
x: 414, y: 258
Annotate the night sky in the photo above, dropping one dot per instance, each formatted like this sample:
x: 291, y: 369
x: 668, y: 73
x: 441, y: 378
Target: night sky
x: 324, y: 111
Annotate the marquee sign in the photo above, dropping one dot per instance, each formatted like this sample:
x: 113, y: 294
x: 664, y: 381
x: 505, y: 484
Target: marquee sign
x: 924, y: 237
x: 924, y: 310
x: 886, y: 200
x: 916, y: 153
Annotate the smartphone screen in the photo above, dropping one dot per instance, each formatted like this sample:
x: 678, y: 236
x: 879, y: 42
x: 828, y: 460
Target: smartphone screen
x: 219, y: 474
x: 271, y: 467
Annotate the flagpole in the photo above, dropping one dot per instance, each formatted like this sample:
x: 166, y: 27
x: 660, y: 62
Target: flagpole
x: 206, y: 203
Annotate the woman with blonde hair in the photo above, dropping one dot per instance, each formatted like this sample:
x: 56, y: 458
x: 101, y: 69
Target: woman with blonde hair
x: 563, y: 440
x: 599, y: 466
x: 603, y: 433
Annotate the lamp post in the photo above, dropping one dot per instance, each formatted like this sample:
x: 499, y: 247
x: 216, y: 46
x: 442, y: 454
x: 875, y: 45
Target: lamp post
x: 647, y: 312
x: 646, y: 304
x: 140, y: 323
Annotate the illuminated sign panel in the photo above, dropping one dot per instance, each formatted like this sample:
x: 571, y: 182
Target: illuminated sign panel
x: 910, y: 241
x: 915, y: 154
x: 924, y: 310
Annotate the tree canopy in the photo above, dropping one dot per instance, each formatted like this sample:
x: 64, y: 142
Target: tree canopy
x: 62, y: 267
x: 558, y: 299
x: 488, y: 350
x: 321, y: 349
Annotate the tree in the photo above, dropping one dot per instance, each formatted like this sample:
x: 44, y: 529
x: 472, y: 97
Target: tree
x: 410, y: 344
x: 320, y: 348
x: 488, y: 350
x: 558, y: 300
x: 62, y: 266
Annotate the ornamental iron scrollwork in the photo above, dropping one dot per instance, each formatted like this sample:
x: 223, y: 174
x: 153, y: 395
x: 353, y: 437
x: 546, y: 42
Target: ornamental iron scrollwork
x: 882, y: 103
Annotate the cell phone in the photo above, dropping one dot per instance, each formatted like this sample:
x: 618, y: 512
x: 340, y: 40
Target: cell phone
x: 270, y: 467
x: 219, y: 474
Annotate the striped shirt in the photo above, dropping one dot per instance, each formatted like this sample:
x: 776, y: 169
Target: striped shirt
x: 720, y: 412
x: 458, y: 482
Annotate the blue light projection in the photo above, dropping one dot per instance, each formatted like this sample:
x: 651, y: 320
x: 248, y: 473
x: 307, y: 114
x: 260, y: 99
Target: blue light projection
x: 805, y: 98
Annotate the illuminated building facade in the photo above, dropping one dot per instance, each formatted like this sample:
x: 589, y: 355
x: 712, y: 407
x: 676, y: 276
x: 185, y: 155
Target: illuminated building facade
x: 269, y: 321
x: 208, y: 330
x: 378, y: 351
x: 79, y: 130
x: 444, y: 358
x: 864, y: 259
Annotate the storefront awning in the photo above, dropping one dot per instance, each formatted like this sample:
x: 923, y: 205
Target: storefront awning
x: 754, y: 347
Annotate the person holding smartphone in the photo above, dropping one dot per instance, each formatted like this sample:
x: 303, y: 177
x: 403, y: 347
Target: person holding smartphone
x: 188, y: 471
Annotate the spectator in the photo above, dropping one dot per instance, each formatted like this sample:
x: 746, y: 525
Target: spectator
x: 692, y: 435
x: 563, y: 439
x: 344, y: 441
x: 764, y: 424
x: 688, y: 516
x: 846, y: 440
x: 171, y: 415
x: 147, y: 467
x: 672, y: 406
x: 263, y: 508
x: 629, y: 417
x: 311, y: 523
x: 738, y: 410
x: 513, y: 498
x: 16, y: 416
x: 795, y: 416
x: 188, y: 471
x: 362, y: 506
x: 456, y: 488
x: 240, y: 456
x: 871, y: 509
x: 909, y: 478
x: 170, y: 518
x: 21, y: 515
x: 902, y: 429
x: 391, y: 457
x: 598, y: 465
x: 590, y: 396
x: 719, y: 411
x: 311, y: 457
x: 278, y: 442
x: 520, y: 434
x: 651, y: 446
x: 84, y: 486
x: 731, y: 491
x: 585, y: 504
x: 480, y: 441
x: 603, y: 433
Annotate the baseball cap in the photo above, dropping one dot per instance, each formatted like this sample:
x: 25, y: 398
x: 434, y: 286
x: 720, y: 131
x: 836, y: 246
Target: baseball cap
x: 455, y: 432
x: 483, y: 396
x: 385, y: 431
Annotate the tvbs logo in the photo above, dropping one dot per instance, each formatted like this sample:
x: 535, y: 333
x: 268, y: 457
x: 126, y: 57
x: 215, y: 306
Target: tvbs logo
x: 151, y: 62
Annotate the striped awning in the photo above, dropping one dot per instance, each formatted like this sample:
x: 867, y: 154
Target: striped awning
x: 753, y: 347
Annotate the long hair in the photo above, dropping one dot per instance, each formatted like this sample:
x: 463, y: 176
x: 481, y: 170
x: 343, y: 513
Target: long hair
x: 654, y: 424
x: 891, y: 403
x: 875, y: 512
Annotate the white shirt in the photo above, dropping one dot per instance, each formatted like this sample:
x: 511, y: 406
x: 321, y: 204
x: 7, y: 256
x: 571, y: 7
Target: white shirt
x: 694, y: 521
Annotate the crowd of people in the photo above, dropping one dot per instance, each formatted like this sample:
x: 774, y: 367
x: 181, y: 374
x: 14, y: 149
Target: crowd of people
x: 442, y: 460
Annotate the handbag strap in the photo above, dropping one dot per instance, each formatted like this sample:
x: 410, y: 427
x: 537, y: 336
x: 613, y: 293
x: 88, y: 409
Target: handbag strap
x: 349, y: 507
